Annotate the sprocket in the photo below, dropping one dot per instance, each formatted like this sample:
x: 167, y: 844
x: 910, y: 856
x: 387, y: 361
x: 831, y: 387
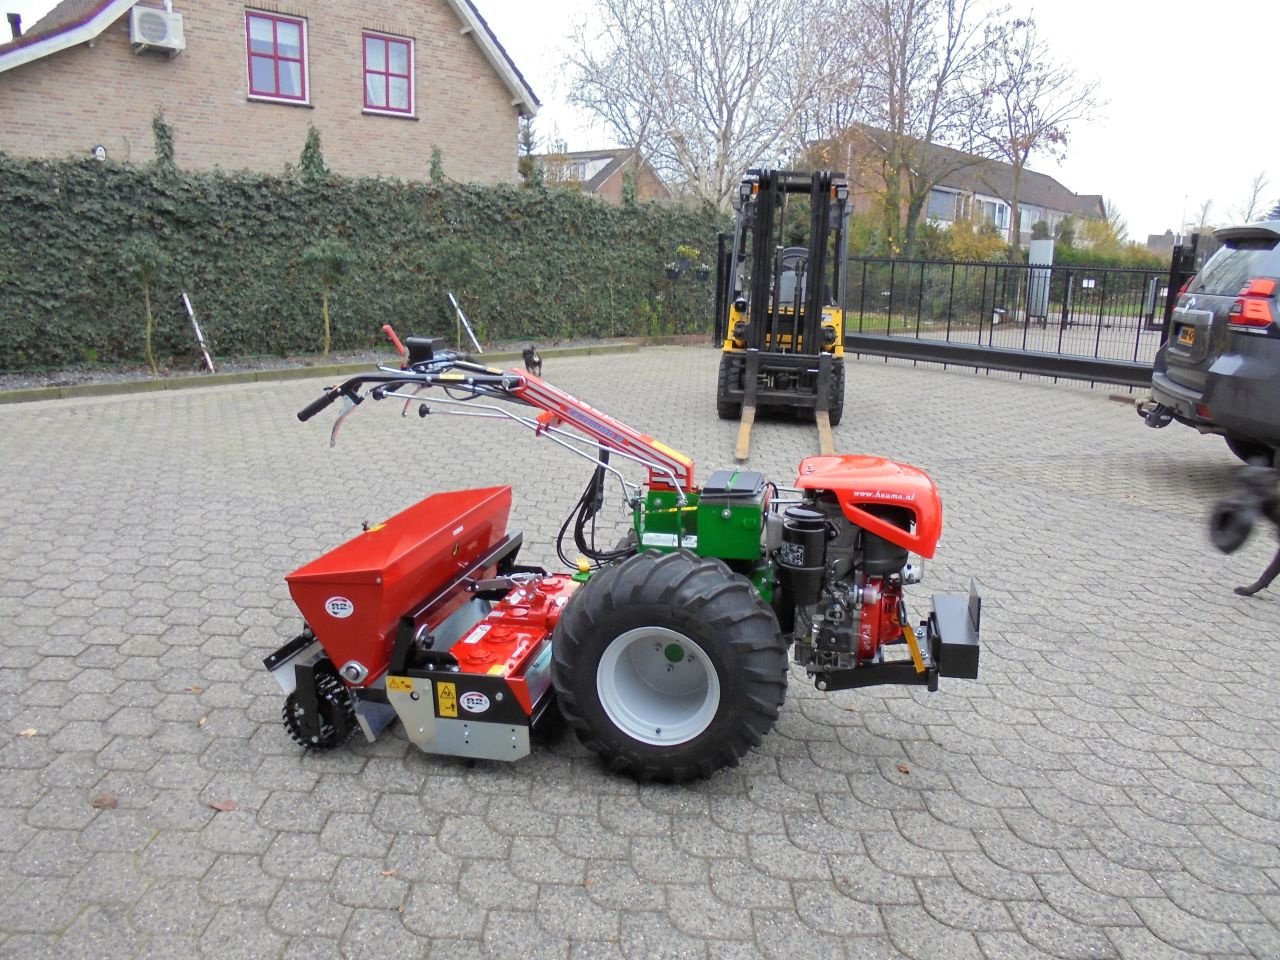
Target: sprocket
x: 337, y: 714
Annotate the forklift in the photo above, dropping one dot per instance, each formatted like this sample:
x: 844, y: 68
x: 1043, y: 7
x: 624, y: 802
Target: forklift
x: 779, y: 304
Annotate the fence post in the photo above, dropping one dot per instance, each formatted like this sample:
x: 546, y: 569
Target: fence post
x: 1182, y: 266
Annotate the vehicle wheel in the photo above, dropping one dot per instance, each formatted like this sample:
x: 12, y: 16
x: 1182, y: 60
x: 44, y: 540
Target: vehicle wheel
x: 670, y: 666
x: 337, y: 720
x: 835, y: 394
x: 726, y: 409
x: 1248, y: 450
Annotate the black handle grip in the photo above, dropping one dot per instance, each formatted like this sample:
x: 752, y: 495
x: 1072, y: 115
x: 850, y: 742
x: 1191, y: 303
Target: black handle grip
x: 318, y: 404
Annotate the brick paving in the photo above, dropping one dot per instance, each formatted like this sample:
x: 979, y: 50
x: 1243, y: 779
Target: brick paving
x: 1110, y: 787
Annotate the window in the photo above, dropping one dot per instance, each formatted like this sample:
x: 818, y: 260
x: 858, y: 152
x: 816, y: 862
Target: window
x: 995, y: 212
x: 277, y: 57
x: 388, y: 74
x: 944, y: 205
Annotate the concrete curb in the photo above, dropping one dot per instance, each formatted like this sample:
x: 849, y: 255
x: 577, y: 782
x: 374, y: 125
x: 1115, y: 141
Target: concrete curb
x: 337, y: 371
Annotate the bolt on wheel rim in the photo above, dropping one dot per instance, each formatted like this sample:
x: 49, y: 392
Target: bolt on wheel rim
x: 658, y: 686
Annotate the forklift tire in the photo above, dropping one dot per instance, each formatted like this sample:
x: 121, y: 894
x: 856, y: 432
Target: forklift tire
x: 669, y: 666
x: 835, y: 394
x: 726, y: 409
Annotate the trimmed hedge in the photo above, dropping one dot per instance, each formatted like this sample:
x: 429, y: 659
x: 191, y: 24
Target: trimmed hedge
x: 533, y: 264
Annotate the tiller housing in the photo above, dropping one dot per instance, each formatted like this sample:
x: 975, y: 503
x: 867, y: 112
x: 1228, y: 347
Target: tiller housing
x: 668, y: 653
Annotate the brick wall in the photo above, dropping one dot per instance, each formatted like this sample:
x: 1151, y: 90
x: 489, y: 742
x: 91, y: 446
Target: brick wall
x: 104, y: 94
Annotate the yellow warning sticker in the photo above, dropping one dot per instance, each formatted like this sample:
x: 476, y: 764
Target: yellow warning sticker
x: 497, y: 670
x: 402, y: 684
x: 447, y: 699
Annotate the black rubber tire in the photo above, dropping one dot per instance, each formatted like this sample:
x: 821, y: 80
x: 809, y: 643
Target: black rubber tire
x: 726, y: 409
x: 835, y: 394
x: 1250, y: 450
x: 708, y: 604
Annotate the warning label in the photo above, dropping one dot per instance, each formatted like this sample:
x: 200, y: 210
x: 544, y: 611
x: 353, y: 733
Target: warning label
x: 447, y: 699
x: 403, y: 684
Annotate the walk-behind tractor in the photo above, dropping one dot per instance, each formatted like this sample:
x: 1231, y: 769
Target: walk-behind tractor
x: 668, y: 651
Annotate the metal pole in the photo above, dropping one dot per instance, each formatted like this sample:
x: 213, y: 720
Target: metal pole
x: 195, y: 325
x: 462, y: 319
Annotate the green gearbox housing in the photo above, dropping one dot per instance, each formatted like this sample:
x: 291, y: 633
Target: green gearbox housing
x: 724, y: 520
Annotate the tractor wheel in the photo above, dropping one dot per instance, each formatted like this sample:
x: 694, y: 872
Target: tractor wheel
x: 337, y: 715
x: 835, y: 393
x: 669, y: 666
x: 726, y: 409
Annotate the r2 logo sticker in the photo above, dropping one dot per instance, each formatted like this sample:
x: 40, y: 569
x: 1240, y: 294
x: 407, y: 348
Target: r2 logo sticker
x: 339, y: 607
x: 474, y: 702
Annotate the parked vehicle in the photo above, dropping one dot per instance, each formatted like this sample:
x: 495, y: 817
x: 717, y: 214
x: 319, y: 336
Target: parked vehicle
x: 1219, y: 369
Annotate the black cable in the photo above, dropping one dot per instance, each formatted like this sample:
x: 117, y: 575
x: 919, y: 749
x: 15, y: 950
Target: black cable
x: 583, y: 514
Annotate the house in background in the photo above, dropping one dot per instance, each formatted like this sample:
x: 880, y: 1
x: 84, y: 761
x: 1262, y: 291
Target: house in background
x: 602, y: 173
x: 240, y: 83
x: 966, y: 187
x: 982, y: 191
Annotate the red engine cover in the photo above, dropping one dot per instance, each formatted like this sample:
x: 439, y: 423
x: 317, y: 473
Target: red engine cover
x: 353, y: 596
x: 860, y: 481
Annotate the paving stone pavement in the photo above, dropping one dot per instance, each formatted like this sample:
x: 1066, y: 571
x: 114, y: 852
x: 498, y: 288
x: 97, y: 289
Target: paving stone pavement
x: 1110, y: 787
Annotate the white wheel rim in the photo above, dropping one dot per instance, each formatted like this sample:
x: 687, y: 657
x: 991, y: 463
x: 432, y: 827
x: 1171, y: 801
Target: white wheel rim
x: 658, y: 686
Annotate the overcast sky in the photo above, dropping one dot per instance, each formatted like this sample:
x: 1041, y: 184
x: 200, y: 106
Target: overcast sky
x: 1190, y: 112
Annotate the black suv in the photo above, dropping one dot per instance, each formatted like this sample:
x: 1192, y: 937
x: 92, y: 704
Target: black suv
x: 1219, y: 369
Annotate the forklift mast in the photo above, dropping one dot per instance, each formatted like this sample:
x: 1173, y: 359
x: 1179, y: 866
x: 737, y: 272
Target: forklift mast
x: 782, y: 289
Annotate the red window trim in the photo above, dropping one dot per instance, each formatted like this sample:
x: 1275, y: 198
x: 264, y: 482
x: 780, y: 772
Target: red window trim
x: 386, y: 74
x: 275, y: 56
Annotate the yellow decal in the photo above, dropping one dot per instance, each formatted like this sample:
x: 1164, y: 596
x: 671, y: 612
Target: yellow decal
x: 675, y: 455
x: 914, y: 646
x: 497, y: 670
x: 447, y: 699
x: 401, y: 684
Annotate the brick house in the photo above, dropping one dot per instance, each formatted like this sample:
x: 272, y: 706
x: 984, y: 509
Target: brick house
x: 982, y: 190
x: 965, y: 186
x: 239, y: 82
x: 603, y: 172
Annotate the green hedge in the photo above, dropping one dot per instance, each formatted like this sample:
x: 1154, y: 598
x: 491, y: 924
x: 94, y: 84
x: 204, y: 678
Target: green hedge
x: 532, y: 264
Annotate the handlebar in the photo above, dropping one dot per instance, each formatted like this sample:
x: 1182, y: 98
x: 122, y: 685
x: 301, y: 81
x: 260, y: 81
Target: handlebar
x: 444, y: 369
x: 318, y: 404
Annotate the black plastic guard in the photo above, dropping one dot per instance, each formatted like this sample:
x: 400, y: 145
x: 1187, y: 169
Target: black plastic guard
x: 954, y: 624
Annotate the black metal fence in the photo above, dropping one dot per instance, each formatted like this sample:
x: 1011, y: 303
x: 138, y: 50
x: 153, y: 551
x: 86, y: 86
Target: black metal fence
x: 1095, y: 323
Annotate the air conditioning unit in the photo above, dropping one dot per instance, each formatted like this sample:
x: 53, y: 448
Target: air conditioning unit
x: 154, y: 29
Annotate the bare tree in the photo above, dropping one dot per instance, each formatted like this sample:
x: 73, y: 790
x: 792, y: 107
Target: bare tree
x: 1252, y: 208
x: 1031, y: 102
x: 526, y: 142
x: 707, y: 88
x: 921, y: 61
x: 1116, y: 222
x: 1202, y: 217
